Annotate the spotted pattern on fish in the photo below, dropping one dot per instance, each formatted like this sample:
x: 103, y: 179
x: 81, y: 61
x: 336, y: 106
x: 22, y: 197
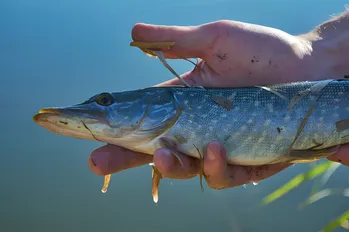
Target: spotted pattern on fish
x: 258, y: 129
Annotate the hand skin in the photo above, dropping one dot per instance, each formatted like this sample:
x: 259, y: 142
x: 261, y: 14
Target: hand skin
x: 236, y: 54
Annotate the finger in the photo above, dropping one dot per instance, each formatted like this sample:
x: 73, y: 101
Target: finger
x: 341, y: 156
x: 169, y: 166
x: 190, y: 41
x: 219, y: 175
x: 110, y: 159
x: 215, y: 166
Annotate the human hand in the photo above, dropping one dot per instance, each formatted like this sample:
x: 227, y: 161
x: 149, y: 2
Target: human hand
x: 232, y: 54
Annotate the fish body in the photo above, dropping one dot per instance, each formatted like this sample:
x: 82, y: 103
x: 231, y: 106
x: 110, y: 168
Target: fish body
x: 260, y: 127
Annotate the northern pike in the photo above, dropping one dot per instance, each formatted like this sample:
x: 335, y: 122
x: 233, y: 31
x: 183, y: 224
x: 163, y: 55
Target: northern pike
x: 286, y: 122
x: 260, y: 127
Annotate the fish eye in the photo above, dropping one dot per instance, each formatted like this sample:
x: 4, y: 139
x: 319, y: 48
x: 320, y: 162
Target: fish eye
x: 105, y: 99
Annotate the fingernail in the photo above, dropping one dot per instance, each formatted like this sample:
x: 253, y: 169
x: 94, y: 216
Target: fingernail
x: 164, y: 161
x: 164, y: 156
x: 166, y: 153
x: 213, y: 151
x: 92, y: 161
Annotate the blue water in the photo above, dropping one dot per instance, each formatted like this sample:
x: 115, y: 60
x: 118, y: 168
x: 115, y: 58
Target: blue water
x: 62, y: 52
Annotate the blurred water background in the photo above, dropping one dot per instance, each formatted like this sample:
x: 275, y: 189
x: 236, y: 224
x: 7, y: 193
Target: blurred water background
x: 62, y: 52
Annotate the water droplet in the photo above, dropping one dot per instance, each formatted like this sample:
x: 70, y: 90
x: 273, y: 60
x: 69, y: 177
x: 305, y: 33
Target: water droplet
x: 255, y: 183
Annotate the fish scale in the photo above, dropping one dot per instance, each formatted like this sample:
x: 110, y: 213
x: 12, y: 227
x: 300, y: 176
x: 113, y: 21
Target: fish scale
x: 256, y: 141
x: 258, y: 129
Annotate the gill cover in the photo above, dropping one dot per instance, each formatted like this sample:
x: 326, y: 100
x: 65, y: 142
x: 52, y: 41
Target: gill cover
x: 148, y: 112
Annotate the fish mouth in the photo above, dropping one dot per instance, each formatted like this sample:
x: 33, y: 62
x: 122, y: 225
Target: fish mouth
x: 43, y: 114
x: 68, y: 121
x: 48, y: 114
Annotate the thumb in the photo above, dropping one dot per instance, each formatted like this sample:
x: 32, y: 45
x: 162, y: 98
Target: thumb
x: 190, y: 41
x: 201, y: 75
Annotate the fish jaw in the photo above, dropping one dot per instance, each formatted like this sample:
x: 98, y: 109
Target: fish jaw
x: 72, y: 121
x: 134, y: 120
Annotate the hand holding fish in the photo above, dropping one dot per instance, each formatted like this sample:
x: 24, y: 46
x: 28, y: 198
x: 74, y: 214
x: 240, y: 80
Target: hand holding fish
x: 232, y: 54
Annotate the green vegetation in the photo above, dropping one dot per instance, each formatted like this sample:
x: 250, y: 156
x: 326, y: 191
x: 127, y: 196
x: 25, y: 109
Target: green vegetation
x: 321, y: 173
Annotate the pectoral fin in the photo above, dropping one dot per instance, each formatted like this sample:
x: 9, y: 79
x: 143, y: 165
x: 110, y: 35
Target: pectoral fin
x: 156, y: 178
x: 106, y: 183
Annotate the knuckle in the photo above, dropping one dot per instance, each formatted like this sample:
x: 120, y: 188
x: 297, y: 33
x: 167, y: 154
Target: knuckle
x: 223, y: 25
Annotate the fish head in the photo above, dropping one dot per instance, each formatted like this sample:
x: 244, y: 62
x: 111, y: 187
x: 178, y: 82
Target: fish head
x: 99, y: 118
x: 111, y: 117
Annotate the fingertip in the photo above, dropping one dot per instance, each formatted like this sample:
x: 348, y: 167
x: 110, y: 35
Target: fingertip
x: 164, y: 161
x: 153, y: 33
x: 110, y: 159
x: 138, y: 30
x: 215, y: 165
x: 98, y: 161
x: 215, y: 150
x: 176, y: 166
